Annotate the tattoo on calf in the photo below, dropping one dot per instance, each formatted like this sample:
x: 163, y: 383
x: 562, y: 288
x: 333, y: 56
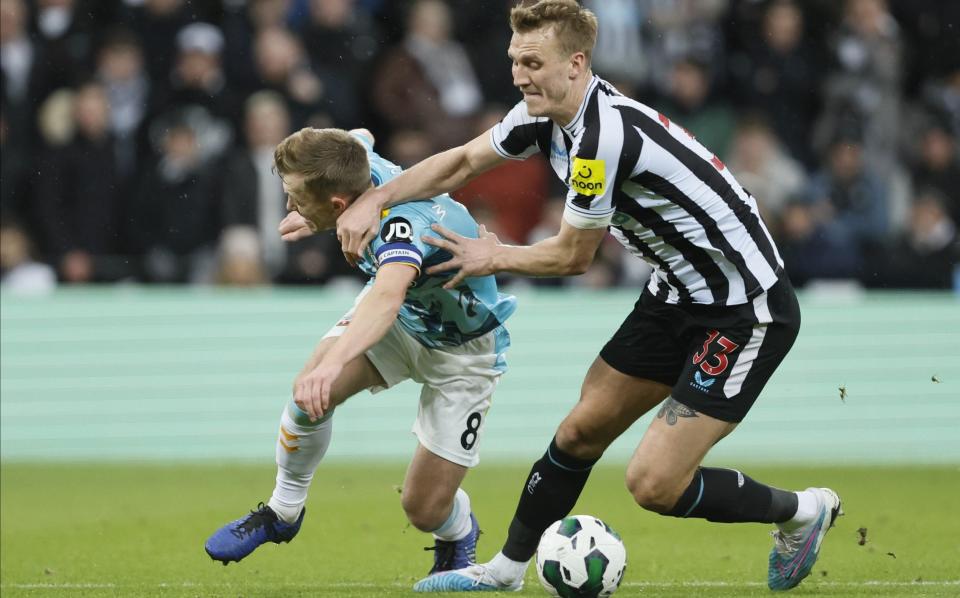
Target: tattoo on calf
x: 673, y: 410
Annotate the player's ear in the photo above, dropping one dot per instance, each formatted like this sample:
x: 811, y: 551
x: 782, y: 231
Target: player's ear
x: 339, y: 204
x: 578, y: 64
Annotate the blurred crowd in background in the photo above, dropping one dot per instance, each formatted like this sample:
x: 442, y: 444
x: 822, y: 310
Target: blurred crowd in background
x: 137, y: 135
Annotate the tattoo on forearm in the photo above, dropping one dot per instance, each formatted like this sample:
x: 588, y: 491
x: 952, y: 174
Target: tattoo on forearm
x: 673, y: 410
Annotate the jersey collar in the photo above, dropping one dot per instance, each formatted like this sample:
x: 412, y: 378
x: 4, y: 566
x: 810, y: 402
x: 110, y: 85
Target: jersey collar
x: 576, y: 124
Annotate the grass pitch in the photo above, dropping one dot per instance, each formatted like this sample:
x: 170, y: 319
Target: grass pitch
x: 125, y: 530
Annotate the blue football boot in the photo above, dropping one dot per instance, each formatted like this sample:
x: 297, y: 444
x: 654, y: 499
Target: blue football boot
x: 458, y: 554
x: 237, y: 539
x: 794, y: 553
x: 454, y: 568
x: 475, y: 578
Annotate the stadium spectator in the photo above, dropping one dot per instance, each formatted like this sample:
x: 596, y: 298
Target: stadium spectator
x: 938, y: 166
x: 774, y: 77
x: 77, y: 193
x: 174, y: 219
x: 817, y: 249
x: 241, y: 23
x: 865, y: 81
x: 64, y: 32
x: 765, y: 169
x: 341, y: 41
x: 690, y: 101
x: 680, y: 29
x: 427, y: 82
x: 156, y: 23
x: 848, y: 193
x: 239, y: 258
x: 282, y: 66
x: 198, y: 81
x: 121, y: 71
x: 25, y: 82
x: 620, y: 55
x: 930, y: 240
x: 252, y: 193
x: 19, y: 273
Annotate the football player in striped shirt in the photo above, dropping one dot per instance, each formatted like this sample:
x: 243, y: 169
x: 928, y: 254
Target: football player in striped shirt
x: 716, y: 319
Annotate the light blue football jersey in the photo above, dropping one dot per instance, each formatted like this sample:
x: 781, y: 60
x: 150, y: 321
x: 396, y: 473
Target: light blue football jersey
x: 434, y: 316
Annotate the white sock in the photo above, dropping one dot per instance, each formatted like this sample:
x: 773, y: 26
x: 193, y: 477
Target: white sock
x: 458, y: 524
x: 507, y: 570
x: 807, y: 510
x: 301, y: 445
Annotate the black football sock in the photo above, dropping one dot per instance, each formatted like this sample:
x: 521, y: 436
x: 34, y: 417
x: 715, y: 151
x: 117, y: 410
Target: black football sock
x: 550, y: 492
x: 728, y: 496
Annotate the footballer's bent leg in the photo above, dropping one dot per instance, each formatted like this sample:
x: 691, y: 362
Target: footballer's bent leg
x: 435, y: 503
x: 665, y: 476
x: 610, y: 402
x: 301, y: 444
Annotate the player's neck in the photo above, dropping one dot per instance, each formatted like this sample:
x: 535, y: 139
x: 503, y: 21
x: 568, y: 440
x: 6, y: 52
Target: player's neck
x: 571, y: 107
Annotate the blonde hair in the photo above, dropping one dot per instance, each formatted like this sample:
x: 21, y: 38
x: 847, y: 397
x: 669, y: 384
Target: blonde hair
x: 331, y: 161
x: 574, y: 26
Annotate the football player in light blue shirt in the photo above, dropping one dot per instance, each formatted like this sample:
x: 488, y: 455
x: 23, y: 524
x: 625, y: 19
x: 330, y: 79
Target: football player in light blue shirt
x: 403, y: 325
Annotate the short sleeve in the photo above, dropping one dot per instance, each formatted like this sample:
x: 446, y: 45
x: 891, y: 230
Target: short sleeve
x: 515, y: 137
x: 595, y: 159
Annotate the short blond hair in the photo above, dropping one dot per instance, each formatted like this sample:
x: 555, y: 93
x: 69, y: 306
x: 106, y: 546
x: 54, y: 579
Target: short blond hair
x: 331, y: 161
x: 574, y: 26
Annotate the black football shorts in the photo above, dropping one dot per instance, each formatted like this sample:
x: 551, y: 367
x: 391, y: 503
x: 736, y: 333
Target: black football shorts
x: 717, y: 359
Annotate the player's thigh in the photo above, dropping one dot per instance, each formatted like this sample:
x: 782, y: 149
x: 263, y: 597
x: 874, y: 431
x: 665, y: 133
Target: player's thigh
x: 458, y: 385
x: 430, y: 483
x: 358, y: 374
x: 610, y: 402
x: 670, y: 451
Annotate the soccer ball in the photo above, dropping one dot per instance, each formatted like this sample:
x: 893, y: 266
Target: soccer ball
x: 581, y: 556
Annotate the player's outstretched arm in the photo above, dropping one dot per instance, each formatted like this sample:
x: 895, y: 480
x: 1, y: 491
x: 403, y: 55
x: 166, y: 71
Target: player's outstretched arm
x: 568, y: 253
x: 441, y: 173
x: 372, y: 319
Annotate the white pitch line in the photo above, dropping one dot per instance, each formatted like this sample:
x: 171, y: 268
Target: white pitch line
x: 360, y: 585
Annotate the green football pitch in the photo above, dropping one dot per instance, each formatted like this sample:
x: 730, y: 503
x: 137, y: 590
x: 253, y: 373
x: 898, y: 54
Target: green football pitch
x: 125, y: 530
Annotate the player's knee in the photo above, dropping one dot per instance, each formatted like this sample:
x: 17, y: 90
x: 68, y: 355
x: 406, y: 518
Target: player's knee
x: 425, y: 515
x: 652, y: 491
x: 578, y: 440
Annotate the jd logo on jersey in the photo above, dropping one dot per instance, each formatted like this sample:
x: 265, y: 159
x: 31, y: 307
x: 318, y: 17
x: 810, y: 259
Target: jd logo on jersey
x: 587, y: 177
x: 397, y: 230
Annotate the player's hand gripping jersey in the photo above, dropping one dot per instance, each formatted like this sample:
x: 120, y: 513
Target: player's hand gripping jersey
x: 663, y: 195
x: 433, y: 316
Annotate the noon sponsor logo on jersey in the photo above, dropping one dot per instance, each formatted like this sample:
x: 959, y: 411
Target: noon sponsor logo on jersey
x: 588, y: 177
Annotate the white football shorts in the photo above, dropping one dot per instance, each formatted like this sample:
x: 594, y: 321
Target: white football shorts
x: 458, y: 384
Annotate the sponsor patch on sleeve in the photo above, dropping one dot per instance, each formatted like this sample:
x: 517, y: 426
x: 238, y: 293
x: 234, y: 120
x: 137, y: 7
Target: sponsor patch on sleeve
x: 397, y: 230
x: 588, y: 177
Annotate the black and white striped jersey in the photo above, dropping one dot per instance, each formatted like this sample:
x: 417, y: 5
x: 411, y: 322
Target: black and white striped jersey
x: 665, y: 197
